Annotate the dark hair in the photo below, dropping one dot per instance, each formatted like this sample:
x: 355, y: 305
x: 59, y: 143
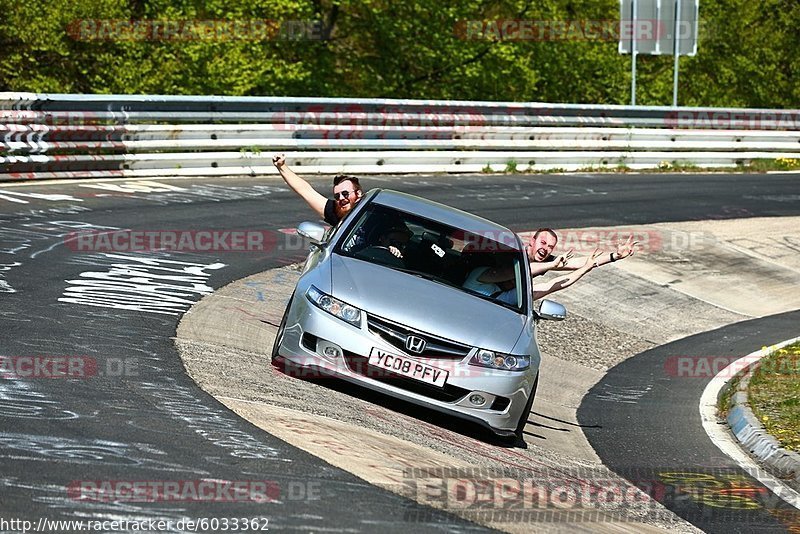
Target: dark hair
x: 399, y: 229
x: 339, y: 178
x: 545, y: 230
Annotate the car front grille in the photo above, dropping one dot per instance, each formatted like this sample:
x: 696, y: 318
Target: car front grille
x: 435, y: 347
x: 360, y: 365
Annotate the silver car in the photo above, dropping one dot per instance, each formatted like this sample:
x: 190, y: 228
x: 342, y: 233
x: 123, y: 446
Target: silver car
x: 394, y: 299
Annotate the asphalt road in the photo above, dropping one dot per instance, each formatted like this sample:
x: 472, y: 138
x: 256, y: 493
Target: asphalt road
x: 643, y: 420
x: 131, y: 414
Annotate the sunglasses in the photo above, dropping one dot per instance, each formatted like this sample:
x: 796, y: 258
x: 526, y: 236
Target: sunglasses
x: 342, y: 194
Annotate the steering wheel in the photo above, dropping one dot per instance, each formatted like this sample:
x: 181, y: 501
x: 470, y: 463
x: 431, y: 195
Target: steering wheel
x: 381, y: 254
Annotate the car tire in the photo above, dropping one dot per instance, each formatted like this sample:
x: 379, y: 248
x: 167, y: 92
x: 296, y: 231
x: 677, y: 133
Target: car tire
x: 279, y: 334
x: 523, y: 418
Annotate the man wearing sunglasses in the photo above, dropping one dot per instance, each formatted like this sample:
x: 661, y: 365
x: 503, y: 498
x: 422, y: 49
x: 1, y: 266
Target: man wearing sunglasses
x: 346, y: 192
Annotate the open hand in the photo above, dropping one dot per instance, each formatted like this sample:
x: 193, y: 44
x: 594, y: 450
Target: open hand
x: 627, y: 248
x: 591, y: 260
x: 563, y: 259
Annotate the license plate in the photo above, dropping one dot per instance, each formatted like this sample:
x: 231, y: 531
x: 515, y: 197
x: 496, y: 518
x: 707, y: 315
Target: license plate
x: 407, y: 367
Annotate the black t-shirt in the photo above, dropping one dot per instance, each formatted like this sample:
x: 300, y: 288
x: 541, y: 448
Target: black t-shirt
x: 330, y: 215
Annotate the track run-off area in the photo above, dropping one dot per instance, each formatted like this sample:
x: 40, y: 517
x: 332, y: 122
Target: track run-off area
x: 169, y: 385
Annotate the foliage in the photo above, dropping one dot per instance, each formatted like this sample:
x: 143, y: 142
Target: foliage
x: 749, y: 52
x: 774, y: 395
x: 778, y: 164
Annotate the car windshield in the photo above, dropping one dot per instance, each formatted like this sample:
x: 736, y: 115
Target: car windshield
x: 476, y: 263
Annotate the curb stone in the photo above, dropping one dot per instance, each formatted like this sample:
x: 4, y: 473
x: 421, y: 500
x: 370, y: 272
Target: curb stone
x: 754, y: 437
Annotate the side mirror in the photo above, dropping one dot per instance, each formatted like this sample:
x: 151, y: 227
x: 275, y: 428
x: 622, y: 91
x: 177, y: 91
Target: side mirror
x: 552, y: 311
x: 313, y: 231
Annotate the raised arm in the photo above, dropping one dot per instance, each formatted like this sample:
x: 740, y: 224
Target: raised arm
x: 493, y: 276
x: 556, y: 284
x: 315, y: 200
x: 559, y: 263
x: 623, y: 251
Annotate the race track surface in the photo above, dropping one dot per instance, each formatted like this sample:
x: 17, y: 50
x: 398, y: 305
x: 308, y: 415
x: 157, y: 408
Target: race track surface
x: 643, y: 420
x: 128, y: 412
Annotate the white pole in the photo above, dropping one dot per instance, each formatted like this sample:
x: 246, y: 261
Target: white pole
x: 634, y: 13
x: 677, y: 50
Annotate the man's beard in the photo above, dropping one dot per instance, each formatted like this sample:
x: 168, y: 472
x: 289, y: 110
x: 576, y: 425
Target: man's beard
x: 341, y: 211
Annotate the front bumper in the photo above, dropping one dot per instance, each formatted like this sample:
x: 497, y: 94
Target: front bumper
x: 317, y: 343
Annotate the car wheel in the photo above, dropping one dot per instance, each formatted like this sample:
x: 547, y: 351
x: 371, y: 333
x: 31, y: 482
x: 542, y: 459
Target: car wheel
x: 523, y: 418
x: 281, y: 329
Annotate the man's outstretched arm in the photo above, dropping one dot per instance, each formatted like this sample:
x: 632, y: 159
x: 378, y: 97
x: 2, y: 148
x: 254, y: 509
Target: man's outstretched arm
x: 562, y: 282
x: 493, y: 276
x: 315, y: 200
x: 623, y: 251
x: 559, y: 263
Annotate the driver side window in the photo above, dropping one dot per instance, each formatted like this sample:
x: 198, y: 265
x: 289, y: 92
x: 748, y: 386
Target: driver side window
x: 330, y: 232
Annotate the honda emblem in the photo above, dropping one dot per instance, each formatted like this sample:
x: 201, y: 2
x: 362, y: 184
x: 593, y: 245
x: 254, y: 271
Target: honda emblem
x: 415, y: 344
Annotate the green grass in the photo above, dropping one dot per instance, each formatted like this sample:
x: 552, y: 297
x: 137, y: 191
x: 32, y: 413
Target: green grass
x: 554, y: 170
x: 255, y: 150
x: 779, y: 164
x: 754, y: 166
x: 678, y: 166
x: 774, y: 395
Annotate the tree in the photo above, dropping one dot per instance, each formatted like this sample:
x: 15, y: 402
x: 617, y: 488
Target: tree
x: 465, y: 50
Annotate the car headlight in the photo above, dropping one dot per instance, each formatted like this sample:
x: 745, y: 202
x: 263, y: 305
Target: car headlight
x: 334, y: 306
x: 498, y: 360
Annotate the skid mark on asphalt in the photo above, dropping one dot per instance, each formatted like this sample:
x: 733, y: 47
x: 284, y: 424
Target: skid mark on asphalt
x: 624, y: 394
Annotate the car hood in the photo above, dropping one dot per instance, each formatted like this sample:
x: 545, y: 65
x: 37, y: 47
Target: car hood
x: 425, y: 305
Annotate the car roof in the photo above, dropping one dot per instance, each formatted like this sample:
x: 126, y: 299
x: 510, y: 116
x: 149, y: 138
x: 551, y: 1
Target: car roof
x: 444, y: 214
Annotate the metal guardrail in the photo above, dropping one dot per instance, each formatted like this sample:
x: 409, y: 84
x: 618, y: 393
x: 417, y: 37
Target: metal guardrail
x: 76, y: 136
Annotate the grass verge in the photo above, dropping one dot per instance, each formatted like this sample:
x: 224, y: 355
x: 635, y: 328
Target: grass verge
x: 774, y: 395
x: 779, y: 164
x: 753, y: 166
